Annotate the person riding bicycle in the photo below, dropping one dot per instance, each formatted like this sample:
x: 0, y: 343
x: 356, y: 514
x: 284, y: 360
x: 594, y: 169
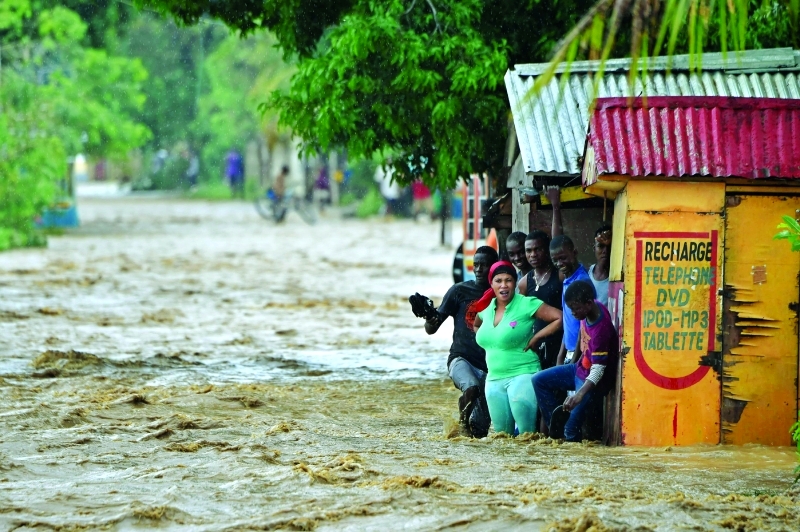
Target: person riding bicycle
x: 281, y: 197
x: 279, y: 183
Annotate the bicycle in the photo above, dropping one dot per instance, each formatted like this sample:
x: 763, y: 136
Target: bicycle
x: 270, y: 207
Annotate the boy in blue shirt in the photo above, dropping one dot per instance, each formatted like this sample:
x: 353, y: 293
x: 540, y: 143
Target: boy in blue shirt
x: 565, y: 257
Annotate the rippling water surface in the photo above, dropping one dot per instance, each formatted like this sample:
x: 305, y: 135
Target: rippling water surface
x: 185, y: 365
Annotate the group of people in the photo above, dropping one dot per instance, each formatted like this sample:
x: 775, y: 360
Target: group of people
x: 531, y: 336
x: 397, y: 198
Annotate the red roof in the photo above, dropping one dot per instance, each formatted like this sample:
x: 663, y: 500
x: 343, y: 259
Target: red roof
x: 697, y: 136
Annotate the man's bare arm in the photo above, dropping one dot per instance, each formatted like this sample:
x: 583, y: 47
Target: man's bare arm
x: 432, y: 325
x: 554, y: 197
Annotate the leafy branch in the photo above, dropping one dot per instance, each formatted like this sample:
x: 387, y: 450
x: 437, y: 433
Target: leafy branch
x: 667, y: 27
x: 789, y: 230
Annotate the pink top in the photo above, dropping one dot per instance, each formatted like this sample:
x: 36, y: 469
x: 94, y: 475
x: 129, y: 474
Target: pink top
x: 419, y: 190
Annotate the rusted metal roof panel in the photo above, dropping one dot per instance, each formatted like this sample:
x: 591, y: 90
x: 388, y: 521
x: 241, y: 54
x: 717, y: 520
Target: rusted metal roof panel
x: 696, y: 136
x: 552, y: 125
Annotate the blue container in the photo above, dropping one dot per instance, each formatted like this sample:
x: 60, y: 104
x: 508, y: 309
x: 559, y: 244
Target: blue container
x: 67, y: 217
x: 456, y: 207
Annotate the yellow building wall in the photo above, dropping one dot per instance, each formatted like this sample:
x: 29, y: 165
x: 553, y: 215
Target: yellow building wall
x: 672, y: 270
x: 618, y: 237
x: 760, y: 363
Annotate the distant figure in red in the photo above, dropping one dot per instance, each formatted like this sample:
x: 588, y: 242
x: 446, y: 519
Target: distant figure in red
x: 422, y: 199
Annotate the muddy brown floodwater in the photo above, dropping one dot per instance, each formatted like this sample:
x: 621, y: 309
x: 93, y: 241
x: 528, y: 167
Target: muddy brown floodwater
x: 186, y: 365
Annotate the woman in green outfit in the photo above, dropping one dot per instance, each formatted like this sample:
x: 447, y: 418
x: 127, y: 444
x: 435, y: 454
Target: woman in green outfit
x: 504, y: 327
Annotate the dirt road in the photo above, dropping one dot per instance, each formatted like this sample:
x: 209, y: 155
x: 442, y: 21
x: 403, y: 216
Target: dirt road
x: 186, y: 365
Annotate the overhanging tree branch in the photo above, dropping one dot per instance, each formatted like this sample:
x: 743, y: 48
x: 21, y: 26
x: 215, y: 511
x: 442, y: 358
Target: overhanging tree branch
x: 435, y: 17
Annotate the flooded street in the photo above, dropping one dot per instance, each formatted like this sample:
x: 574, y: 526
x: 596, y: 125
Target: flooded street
x: 187, y: 365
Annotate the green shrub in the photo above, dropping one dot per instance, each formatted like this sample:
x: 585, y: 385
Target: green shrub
x: 211, y: 190
x: 252, y: 189
x: 348, y: 198
x: 361, y: 181
x: 32, y: 160
x: 370, y: 205
x: 173, y: 175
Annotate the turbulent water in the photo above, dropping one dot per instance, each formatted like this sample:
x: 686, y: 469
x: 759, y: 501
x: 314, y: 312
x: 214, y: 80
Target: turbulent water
x: 185, y: 365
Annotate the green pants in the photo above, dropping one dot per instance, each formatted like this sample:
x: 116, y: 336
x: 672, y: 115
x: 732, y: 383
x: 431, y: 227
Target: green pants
x: 512, y: 400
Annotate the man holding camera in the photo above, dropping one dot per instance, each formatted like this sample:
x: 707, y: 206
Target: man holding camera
x: 466, y: 364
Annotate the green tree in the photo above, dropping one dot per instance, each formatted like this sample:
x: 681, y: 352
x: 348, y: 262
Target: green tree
x: 106, y: 20
x: 421, y: 78
x: 239, y: 72
x: 173, y: 57
x: 95, y: 97
x: 32, y: 161
x: 394, y: 82
x: 57, y: 98
x: 424, y: 77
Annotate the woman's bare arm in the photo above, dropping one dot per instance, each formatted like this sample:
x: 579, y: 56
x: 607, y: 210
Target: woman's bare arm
x: 546, y: 313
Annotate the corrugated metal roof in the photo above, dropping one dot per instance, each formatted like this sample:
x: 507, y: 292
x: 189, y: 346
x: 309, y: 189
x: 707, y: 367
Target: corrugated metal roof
x: 697, y: 136
x: 552, y: 126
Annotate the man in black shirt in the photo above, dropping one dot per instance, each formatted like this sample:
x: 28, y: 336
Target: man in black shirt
x: 467, y: 361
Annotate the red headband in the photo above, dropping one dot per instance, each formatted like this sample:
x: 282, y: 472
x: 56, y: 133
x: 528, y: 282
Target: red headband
x: 486, y: 299
x: 500, y: 264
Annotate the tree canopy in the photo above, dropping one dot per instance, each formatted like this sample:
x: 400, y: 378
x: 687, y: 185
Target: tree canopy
x: 656, y: 27
x: 238, y: 73
x: 418, y: 79
x: 422, y: 79
x: 58, y: 98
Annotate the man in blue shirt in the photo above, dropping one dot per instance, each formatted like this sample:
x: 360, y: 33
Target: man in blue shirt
x: 565, y: 257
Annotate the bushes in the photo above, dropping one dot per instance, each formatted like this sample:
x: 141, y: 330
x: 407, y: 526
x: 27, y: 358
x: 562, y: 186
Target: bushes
x: 32, y: 160
x: 211, y: 190
x: 57, y: 97
x: 370, y: 205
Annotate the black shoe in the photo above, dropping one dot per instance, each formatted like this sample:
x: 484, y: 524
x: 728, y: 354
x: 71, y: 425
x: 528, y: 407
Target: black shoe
x: 479, y: 420
x: 465, y: 407
x: 558, y: 420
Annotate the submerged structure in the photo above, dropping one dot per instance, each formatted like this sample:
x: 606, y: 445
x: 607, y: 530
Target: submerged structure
x: 700, y: 168
x: 706, y: 300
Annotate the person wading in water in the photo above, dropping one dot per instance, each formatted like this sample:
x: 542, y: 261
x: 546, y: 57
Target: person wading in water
x: 466, y: 364
x: 503, y: 327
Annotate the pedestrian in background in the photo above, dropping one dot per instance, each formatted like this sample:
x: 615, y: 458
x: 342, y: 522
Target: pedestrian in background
x: 389, y: 188
x: 193, y: 170
x: 322, y: 189
x: 234, y: 173
x: 423, y: 201
x: 279, y: 189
